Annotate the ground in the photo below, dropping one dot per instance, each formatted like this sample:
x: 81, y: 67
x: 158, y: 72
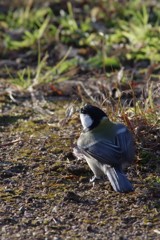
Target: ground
x: 46, y: 193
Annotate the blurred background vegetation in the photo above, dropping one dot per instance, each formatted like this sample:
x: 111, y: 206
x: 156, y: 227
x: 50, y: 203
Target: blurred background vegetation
x: 42, y: 41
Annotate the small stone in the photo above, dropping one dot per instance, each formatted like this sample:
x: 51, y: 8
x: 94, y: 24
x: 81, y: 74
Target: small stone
x: 71, y: 196
x: 21, y: 210
x: 9, y: 191
x: 89, y: 228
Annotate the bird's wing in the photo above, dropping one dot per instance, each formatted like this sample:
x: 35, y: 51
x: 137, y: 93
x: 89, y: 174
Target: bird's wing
x: 124, y: 140
x: 104, y: 151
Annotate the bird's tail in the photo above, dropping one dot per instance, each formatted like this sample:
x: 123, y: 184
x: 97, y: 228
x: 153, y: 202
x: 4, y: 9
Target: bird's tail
x: 118, y: 180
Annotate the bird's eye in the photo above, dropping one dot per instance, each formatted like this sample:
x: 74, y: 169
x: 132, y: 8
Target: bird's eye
x: 82, y: 110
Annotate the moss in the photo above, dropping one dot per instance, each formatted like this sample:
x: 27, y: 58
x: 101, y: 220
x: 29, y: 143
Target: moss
x: 145, y: 156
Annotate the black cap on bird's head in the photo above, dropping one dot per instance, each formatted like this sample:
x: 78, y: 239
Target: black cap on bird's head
x: 91, y: 116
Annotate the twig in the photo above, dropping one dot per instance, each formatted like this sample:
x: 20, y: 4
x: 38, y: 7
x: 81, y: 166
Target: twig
x: 10, y: 143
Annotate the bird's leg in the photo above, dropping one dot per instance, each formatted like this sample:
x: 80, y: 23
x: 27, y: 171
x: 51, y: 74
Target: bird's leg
x: 77, y: 153
x: 94, y: 179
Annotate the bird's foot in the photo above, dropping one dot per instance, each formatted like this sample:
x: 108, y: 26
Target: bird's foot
x: 94, y: 178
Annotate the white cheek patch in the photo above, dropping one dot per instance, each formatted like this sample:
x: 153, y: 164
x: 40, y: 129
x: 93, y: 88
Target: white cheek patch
x: 86, y: 120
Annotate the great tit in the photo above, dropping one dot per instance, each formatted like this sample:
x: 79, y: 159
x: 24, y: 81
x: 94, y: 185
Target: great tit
x: 107, y: 147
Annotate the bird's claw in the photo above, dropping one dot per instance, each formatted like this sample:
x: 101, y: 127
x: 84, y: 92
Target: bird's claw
x: 93, y: 179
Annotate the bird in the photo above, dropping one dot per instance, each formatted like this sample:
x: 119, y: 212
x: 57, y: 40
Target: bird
x: 107, y: 147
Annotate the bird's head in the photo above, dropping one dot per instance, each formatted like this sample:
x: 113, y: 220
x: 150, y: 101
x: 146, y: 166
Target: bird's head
x: 91, y: 116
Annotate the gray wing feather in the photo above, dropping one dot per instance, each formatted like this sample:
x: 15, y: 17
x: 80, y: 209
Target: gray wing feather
x: 125, y: 141
x: 105, y: 152
x: 118, y: 180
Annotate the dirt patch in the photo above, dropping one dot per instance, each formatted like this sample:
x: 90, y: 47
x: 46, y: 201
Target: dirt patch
x: 45, y: 191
